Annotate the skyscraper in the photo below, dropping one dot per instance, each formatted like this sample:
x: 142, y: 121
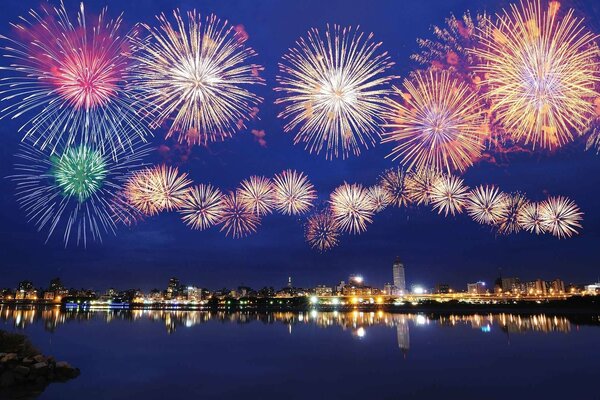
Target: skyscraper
x: 399, y: 279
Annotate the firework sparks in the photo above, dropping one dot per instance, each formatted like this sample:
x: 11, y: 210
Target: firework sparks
x: 202, y: 207
x: 541, y: 71
x: 322, y: 231
x: 74, y: 189
x: 514, y: 205
x: 530, y: 219
x: 449, y: 195
x: 238, y: 221
x: 334, y: 91
x: 196, y: 74
x: 256, y: 193
x: 294, y: 194
x: 560, y: 216
x: 351, y: 208
x: 157, y: 189
x: 70, y: 78
x: 486, y: 205
x: 394, y: 182
x: 437, y: 125
x: 419, y: 185
x: 379, y: 198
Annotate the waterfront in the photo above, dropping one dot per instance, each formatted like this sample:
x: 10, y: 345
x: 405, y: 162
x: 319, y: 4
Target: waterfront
x: 156, y: 354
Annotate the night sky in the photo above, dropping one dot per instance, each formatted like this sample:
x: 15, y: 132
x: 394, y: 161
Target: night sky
x: 434, y: 248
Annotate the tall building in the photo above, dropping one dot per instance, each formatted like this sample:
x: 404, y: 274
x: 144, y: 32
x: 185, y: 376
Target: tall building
x: 173, y: 288
x: 476, y: 288
x: 399, y: 278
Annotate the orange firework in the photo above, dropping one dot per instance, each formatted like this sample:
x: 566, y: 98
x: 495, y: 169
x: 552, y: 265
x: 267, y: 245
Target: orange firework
x: 351, y: 208
x: 394, y: 182
x: 256, y: 193
x: 560, y: 216
x: 202, y: 207
x: 322, y: 231
x: 449, y: 195
x: 238, y: 221
x: 486, y: 205
x: 294, y: 194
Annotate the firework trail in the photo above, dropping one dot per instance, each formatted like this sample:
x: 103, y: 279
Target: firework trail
x: 351, y: 208
x: 202, y: 207
x: 75, y: 190
x: 334, y: 91
x: 238, y: 221
x: 293, y: 192
x: 69, y: 80
x: 322, y: 231
x: 541, y: 72
x: 195, y: 74
x: 438, y: 124
x: 256, y: 194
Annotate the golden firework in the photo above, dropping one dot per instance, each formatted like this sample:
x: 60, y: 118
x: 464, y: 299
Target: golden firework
x: 449, y: 195
x: 351, y: 208
x: 293, y: 192
x: 238, y: 221
x: 486, y: 205
x: 322, y: 231
x: 202, y: 207
x: 256, y: 193
x: 560, y: 216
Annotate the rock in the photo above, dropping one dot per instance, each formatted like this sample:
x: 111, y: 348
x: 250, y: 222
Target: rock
x: 40, y: 380
x: 27, y: 360
x: 39, y: 367
x: 21, y: 370
x: 39, y: 358
x: 9, y: 357
x: 63, y: 364
x: 7, y: 379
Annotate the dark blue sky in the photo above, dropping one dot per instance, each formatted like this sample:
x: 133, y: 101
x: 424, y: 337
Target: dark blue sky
x: 434, y: 248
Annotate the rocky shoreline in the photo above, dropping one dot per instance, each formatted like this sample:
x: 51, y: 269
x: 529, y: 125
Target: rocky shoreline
x: 22, y: 366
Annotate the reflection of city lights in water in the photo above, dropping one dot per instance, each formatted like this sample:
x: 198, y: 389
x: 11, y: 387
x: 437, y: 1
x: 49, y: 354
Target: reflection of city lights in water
x: 361, y: 332
x: 314, y: 314
x: 421, y: 320
x: 486, y: 328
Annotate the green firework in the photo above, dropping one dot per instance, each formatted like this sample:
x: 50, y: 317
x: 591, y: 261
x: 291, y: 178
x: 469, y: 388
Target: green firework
x: 79, y: 172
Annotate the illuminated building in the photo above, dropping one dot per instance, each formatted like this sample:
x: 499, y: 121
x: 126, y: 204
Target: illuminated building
x: 442, y: 288
x: 511, y: 285
x: 399, y: 277
x: 173, y: 288
x: 193, y: 293
x: 476, y: 288
x: 389, y: 289
x: 557, y: 286
x: 322, y: 290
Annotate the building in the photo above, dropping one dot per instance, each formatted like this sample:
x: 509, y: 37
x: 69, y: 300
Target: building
x: 399, y: 277
x: 193, y: 293
x: 476, y: 288
x: 389, y: 289
x: 442, y: 288
x: 536, y: 288
x: 25, y: 291
x: 511, y: 285
x: 173, y: 288
x: 593, y: 288
x: 557, y: 286
x: 322, y: 290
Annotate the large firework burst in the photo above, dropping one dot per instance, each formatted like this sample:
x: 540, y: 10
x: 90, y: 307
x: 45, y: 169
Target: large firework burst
x: 351, y: 208
x: 514, y: 205
x: 560, y: 216
x: 322, y: 231
x: 156, y: 189
x: 257, y: 194
x: 437, y: 125
x: 530, y: 218
x: 379, y: 198
x: 238, y: 221
x: 449, y: 195
x: 75, y: 189
x: 69, y: 79
x: 541, y: 72
x: 394, y: 182
x: 334, y: 91
x: 487, y: 205
x: 202, y: 207
x: 195, y: 72
x: 293, y: 192
x: 419, y: 185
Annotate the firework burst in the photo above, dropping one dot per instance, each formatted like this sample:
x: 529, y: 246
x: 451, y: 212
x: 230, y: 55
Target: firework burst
x: 419, y: 185
x: 541, y: 72
x: 202, y: 207
x: 449, y: 195
x: 437, y: 125
x: 256, y: 193
x: 75, y: 189
x: 394, y: 182
x: 530, y: 219
x: 70, y: 79
x: 486, y: 205
x: 351, y: 208
x: 157, y: 189
x: 196, y: 74
x: 379, y: 198
x: 322, y: 231
x: 560, y: 216
x: 334, y: 91
x: 293, y: 192
x: 514, y: 205
x: 238, y: 221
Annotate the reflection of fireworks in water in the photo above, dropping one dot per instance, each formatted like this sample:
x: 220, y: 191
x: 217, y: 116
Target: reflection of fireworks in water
x: 334, y: 91
x: 560, y: 216
x: 450, y: 49
x: 73, y: 78
x: 74, y: 189
x: 379, y: 198
x: 157, y: 189
x: 293, y: 192
x: 202, y: 207
x: 437, y: 125
x: 256, y: 193
x: 351, y: 208
x: 322, y: 231
x: 419, y: 185
x: 486, y: 205
x: 238, y: 221
x: 394, y: 182
x: 540, y: 71
x: 449, y: 195
x: 513, y: 207
x: 195, y: 73
x: 530, y: 218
